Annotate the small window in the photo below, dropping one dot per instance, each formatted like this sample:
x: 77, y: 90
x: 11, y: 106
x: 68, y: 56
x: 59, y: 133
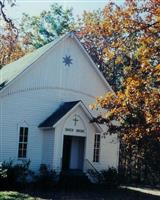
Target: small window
x: 96, y: 152
x: 23, y: 139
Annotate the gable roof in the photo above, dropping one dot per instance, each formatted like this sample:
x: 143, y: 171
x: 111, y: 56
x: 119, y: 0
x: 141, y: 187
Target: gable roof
x: 11, y: 71
x: 63, y: 111
x: 58, y: 114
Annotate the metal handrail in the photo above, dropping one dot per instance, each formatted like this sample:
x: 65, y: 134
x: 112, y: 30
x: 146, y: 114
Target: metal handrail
x: 91, y: 165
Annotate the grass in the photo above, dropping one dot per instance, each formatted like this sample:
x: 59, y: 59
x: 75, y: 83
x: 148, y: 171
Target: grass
x: 119, y: 194
x: 10, y: 195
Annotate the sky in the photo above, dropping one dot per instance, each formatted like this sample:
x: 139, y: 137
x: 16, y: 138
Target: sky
x: 34, y: 7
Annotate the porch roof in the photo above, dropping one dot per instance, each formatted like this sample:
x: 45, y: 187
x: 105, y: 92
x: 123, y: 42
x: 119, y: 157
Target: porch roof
x: 58, y: 114
x: 64, y: 110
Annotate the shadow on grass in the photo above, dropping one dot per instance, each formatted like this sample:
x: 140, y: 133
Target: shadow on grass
x: 96, y: 194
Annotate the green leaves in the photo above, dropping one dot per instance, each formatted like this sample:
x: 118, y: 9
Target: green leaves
x: 44, y: 28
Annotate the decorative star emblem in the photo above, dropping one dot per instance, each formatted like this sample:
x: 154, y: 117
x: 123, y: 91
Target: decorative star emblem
x: 67, y: 60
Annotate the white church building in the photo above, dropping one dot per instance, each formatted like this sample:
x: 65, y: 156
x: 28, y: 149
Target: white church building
x: 44, y: 110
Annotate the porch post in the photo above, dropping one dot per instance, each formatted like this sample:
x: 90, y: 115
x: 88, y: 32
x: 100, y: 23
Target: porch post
x: 58, y: 148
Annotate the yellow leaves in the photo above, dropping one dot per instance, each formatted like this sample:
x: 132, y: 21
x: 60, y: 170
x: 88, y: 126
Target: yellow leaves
x: 92, y: 106
x: 125, y: 24
x: 127, y: 70
x: 105, y: 100
x: 109, y: 54
x: 145, y: 63
x: 124, y: 34
x: 158, y: 67
x: 157, y: 12
x: 149, y: 117
x: 133, y: 82
x: 102, y: 101
x: 143, y: 52
x: 145, y: 66
x: 157, y: 70
x: 118, y: 60
x: 148, y: 40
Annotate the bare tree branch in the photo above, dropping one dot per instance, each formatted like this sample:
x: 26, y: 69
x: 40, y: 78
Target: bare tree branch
x: 6, y: 18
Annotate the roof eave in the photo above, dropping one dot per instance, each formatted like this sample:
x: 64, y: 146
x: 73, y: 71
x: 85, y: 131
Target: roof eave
x: 93, y: 64
x: 45, y: 128
x: 80, y: 103
x: 59, y: 121
x: 71, y: 35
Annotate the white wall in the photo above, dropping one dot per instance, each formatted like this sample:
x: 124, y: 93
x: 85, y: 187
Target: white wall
x: 108, y: 150
x: 48, y: 148
x: 37, y: 93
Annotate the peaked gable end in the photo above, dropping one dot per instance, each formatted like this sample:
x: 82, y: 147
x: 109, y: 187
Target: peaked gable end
x: 63, y: 57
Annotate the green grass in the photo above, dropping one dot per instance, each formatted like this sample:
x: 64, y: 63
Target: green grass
x: 15, y: 195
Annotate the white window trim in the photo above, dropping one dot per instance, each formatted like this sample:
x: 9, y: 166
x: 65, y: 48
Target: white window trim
x: 19, y: 127
x: 99, y: 149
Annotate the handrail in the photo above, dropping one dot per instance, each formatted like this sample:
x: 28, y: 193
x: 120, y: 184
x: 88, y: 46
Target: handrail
x: 92, y: 166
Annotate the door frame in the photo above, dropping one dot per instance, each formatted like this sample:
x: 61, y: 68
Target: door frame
x: 84, y: 153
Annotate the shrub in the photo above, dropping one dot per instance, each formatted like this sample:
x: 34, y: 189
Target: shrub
x: 109, y: 177
x: 3, y: 176
x: 46, y: 178
x: 3, y: 172
x: 15, y: 174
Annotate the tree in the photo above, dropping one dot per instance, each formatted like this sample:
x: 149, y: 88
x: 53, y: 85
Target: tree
x: 37, y: 31
x: 117, y: 36
x: 5, y: 17
x: 33, y: 32
x: 10, y: 48
x: 131, y: 35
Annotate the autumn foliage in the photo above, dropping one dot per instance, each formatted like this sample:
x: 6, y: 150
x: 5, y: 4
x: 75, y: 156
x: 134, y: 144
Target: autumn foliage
x: 10, y: 47
x: 131, y: 37
x: 118, y: 36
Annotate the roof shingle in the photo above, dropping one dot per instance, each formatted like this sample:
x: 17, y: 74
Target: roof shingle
x: 58, y: 114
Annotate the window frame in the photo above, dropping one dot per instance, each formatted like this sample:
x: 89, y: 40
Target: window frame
x: 97, y: 148
x: 23, y: 142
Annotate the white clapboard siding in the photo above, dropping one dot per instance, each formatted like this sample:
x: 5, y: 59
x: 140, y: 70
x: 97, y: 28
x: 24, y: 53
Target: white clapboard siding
x: 48, y: 148
x: 38, y: 92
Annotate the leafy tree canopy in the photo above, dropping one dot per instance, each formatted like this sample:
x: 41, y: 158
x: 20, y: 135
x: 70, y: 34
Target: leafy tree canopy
x: 37, y: 31
x: 130, y: 37
x: 121, y: 36
x: 32, y: 32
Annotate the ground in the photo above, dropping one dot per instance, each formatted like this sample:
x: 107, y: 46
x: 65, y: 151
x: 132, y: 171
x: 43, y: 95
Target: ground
x: 119, y: 194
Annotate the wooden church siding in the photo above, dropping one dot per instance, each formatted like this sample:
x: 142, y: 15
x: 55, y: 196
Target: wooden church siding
x: 89, y: 143
x: 50, y: 71
x: 37, y: 93
x: 48, y: 148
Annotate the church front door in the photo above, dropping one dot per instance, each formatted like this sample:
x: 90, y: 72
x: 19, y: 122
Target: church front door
x: 73, y: 153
